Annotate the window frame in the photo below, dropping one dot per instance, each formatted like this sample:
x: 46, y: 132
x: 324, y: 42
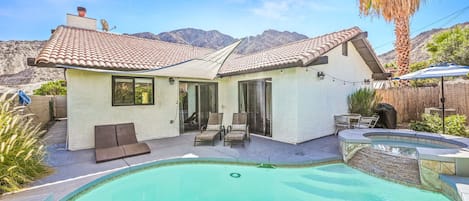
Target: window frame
x: 133, y: 94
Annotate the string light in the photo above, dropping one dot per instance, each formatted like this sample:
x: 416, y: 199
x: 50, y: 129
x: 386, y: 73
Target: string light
x: 333, y: 78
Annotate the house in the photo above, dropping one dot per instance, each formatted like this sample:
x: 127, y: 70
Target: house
x: 291, y: 92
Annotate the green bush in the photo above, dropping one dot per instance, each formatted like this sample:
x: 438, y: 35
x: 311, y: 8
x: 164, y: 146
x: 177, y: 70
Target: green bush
x: 21, y: 153
x: 454, y: 124
x: 363, y: 101
x: 52, y: 88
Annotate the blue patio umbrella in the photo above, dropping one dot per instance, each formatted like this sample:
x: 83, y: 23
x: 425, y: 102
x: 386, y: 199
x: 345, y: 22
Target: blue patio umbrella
x: 438, y: 71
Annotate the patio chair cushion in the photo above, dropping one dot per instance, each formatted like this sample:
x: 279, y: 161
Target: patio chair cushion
x: 235, y: 135
x: 126, y: 134
x: 105, y: 136
x: 110, y: 153
x: 136, y: 149
x: 206, y: 135
x: 238, y: 127
x: 213, y: 127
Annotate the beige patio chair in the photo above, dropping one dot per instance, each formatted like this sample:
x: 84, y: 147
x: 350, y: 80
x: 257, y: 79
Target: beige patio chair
x: 213, y: 128
x: 345, y: 121
x: 367, y: 122
x: 238, y: 131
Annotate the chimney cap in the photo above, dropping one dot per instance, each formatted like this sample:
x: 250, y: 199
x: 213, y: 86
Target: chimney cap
x: 80, y: 8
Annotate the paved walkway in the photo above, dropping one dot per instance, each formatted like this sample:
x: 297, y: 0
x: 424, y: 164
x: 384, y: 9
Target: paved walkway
x: 74, y: 169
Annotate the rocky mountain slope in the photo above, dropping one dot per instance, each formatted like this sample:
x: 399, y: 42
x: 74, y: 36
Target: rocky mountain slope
x: 419, y: 42
x: 15, y: 72
x: 215, y: 39
x: 268, y: 39
x: 196, y: 37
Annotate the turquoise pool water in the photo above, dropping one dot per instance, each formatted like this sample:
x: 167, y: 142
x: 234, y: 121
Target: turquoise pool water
x: 212, y: 182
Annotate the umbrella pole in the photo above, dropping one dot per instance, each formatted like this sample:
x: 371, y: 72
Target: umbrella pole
x: 443, y: 103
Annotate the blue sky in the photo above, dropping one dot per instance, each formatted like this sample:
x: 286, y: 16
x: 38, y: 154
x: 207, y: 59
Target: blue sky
x: 33, y: 20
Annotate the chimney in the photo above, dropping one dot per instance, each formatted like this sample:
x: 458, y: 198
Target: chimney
x: 81, y: 11
x: 80, y: 20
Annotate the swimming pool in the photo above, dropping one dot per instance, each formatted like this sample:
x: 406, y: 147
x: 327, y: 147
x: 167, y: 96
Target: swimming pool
x: 210, y: 182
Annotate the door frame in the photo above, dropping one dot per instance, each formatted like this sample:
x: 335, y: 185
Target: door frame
x: 267, y: 79
x: 198, y: 83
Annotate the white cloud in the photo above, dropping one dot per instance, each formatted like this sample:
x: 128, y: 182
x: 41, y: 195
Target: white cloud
x: 285, y: 9
x: 274, y: 9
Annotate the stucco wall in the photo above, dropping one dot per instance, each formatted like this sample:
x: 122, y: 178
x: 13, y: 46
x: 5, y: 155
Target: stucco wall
x: 302, y: 105
x: 319, y: 100
x: 284, y: 99
x: 90, y: 104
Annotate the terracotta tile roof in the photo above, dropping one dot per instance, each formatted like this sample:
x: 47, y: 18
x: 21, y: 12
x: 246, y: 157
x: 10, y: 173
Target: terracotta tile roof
x: 296, y: 54
x: 94, y: 49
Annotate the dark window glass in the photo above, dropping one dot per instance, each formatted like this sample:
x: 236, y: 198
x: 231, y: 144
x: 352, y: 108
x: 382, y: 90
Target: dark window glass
x: 345, y: 49
x: 143, y: 91
x: 132, y: 91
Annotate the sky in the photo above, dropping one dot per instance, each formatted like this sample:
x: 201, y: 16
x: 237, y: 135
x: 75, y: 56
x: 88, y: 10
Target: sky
x: 33, y: 20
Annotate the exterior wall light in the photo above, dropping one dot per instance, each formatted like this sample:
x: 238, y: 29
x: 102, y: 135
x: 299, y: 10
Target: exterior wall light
x: 171, y: 80
x: 366, y: 81
x: 321, y: 75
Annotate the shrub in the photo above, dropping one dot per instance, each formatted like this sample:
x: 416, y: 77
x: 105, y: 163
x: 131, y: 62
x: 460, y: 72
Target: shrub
x: 363, y: 101
x: 454, y: 124
x: 21, y: 153
x: 52, y: 88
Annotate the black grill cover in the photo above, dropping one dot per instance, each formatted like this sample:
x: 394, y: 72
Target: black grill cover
x: 387, y: 116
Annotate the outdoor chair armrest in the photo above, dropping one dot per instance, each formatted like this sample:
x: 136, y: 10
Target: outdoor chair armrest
x: 248, y: 135
x: 223, y: 129
x: 228, y: 129
x: 203, y: 128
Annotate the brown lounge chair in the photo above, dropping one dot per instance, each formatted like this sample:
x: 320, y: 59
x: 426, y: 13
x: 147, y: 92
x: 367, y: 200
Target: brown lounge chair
x: 127, y: 139
x: 238, y: 131
x: 117, y: 141
x: 106, y: 144
x: 211, y: 130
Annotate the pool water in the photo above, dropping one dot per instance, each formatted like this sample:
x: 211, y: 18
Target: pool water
x: 212, y: 182
x: 402, y: 148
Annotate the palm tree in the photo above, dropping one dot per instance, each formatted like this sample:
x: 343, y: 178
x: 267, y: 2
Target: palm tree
x: 399, y: 12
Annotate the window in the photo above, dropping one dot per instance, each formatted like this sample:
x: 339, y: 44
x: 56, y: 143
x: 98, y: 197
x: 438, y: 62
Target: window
x: 345, y: 49
x: 132, y: 91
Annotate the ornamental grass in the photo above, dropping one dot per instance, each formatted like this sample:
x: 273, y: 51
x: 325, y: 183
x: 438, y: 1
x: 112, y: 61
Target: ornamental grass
x: 21, y: 151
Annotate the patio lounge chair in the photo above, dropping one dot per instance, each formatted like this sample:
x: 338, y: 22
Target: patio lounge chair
x: 367, y: 122
x: 238, y: 131
x: 106, y: 144
x: 213, y: 128
x: 127, y: 139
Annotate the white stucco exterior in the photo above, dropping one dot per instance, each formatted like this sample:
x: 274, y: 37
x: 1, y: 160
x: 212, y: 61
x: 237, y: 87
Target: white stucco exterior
x: 89, y: 104
x: 302, y: 105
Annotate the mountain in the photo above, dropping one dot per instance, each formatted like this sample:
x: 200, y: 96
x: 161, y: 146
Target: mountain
x: 268, y: 39
x: 418, y: 51
x: 14, y: 72
x: 196, y: 37
x: 216, y: 40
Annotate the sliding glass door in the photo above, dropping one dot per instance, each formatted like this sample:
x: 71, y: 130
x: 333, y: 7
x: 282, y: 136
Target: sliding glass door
x: 196, y: 101
x: 255, y: 98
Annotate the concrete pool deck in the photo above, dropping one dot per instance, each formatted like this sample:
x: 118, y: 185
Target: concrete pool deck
x: 76, y: 168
